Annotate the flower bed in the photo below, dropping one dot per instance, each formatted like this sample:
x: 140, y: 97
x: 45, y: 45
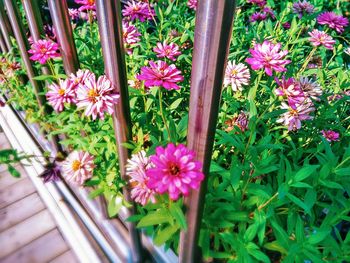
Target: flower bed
x: 279, y: 178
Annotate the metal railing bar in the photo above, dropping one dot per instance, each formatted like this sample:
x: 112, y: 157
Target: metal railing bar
x: 5, y: 26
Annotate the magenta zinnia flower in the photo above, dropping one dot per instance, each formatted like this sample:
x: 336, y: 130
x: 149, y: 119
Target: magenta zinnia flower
x: 138, y: 10
x: 295, y: 114
x: 97, y: 97
x: 169, y: 51
x: 130, y: 34
x: 318, y: 38
x: 175, y: 171
x: 303, y: 7
x: 78, y: 167
x: 268, y: 56
x: 330, y: 135
x: 192, y: 4
x: 260, y: 3
x: 43, y: 49
x: 136, y: 169
x: 74, y: 13
x: 61, y: 93
x: 160, y: 74
x: 333, y: 20
x: 290, y: 90
x: 257, y: 17
x: 236, y: 75
x: 86, y: 4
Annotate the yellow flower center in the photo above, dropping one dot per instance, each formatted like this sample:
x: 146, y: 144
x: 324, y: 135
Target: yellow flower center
x: 76, y: 165
x: 92, y: 95
x: 61, y: 92
x: 234, y: 72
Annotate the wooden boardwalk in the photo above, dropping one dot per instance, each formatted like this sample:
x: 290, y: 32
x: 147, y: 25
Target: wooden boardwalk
x: 28, y: 232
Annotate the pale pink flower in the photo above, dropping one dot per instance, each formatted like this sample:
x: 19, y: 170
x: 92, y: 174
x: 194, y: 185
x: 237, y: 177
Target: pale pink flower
x: 81, y: 76
x: 78, y: 167
x: 268, y: 56
x: 330, y: 135
x: 130, y: 34
x: 97, y: 97
x: 138, y: 10
x: 241, y: 121
x: 175, y: 171
x: 74, y: 13
x: 61, y: 93
x: 160, y: 74
x: 236, y: 75
x: 310, y: 88
x: 303, y: 7
x: 318, y: 38
x: 136, y: 169
x: 86, y: 4
x: 332, y: 20
x: 43, y: 49
x: 170, y: 51
x: 192, y: 4
x: 295, y: 114
x: 290, y: 90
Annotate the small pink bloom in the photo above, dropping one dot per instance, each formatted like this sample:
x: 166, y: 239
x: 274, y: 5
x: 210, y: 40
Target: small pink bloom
x: 61, y: 93
x: 192, y: 4
x: 257, y: 17
x: 268, y: 56
x: 86, y: 4
x: 160, y: 74
x: 330, y: 135
x: 290, y: 90
x: 333, y: 20
x: 138, y: 10
x: 80, y: 77
x: 74, y: 13
x: 97, y: 97
x: 169, y: 51
x: 236, y: 75
x: 130, y: 34
x: 175, y: 171
x: 136, y: 169
x: 303, y: 7
x: 318, y: 38
x: 43, y: 49
x: 78, y: 167
x: 260, y: 3
x: 286, y: 25
x: 310, y: 88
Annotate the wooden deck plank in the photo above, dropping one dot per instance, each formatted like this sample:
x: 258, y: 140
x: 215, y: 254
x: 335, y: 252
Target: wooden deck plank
x: 67, y: 257
x: 4, y: 143
x: 6, y: 179
x: 44, y: 249
x: 16, y: 192
x: 20, y: 210
x: 22, y: 234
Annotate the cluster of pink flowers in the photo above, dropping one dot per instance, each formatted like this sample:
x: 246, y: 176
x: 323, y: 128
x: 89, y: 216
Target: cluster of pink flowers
x: 138, y: 10
x: 160, y: 74
x: 192, y: 4
x: 260, y: 3
x: 86, y: 4
x: 82, y: 89
x: 78, y: 167
x: 268, y: 56
x: 171, y: 170
x: 164, y: 50
x: 131, y: 36
x: 334, y: 21
x: 266, y: 12
x: 74, y: 13
x: 330, y: 135
x: 236, y: 75
x: 43, y: 50
x: 303, y: 7
x: 318, y: 38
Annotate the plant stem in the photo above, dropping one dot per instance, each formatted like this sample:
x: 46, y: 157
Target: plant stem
x: 307, y: 60
x: 267, y: 202
x: 52, y: 69
x: 162, y: 112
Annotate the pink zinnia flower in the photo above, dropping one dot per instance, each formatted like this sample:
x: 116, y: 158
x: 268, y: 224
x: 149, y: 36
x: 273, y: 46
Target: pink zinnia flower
x: 310, y: 88
x: 333, y: 20
x: 81, y: 76
x: 78, y: 167
x: 130, y: 34
x: 303, y: 7
x: 159, y: 74
x: 268, y: 56
x: 286, y: 25
x: 260, y: 3
x: 43, y: 49
x: 295, y: 114
x: 136, y: 169
x: 175, y: 171
x: 138, y: 10
x: 290, y: 89
x: 74, y: 13
x: 318, y: 38
x: 192, y: 4
x: 257, y: 16
x: 86, y: 4
x: 236, y: 75
x: 169, y: 51
x: 97, y: 97
x: 61, y: 93
x: 330, y: 135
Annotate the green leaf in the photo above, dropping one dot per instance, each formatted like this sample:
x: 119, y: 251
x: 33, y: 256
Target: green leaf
x: 155, y: 218
x: 319, y: 236
x: 44, y: 77
x: 12, y: 170
x: 165, y: 234
x: 177, y: 213
x: 298, y: 202
x: 305, y: 172
x: 96, y: 193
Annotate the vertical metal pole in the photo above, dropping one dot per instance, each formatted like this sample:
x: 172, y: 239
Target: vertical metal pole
x: 110, y: 27
x: 214, y: 19
x: 23, y: 45
x: 3, y: 44
x: 61, y: 22
x: 5, y: 26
